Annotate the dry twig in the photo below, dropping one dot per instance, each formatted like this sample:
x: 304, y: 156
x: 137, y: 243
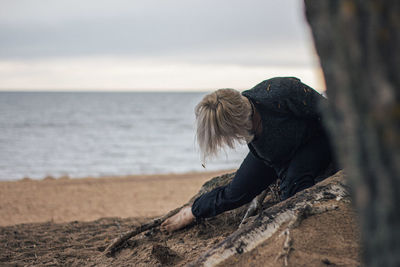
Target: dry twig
x: 287, y: 248
x: 119, y: 242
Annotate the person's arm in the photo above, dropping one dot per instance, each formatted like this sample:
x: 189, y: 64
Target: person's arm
x: 251, y: 179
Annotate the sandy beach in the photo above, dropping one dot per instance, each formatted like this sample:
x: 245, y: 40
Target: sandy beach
x: 79, y: 218
x: 87, y: 199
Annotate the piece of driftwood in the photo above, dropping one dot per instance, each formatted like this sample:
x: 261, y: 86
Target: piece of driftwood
x: 119, y: 242
x: 289, y: 212
x: 287, y: 248
x: 254, y: 206
x: 302, y: 214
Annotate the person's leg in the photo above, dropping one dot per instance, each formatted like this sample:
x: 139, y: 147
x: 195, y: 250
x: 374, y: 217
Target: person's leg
x: 310, y: 160
x: 251, y: 179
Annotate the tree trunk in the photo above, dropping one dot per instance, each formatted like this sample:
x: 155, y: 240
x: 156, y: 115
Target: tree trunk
x: 358, y: 42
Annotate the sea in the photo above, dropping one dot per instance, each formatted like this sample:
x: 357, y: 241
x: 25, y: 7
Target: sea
x: 80, y: 134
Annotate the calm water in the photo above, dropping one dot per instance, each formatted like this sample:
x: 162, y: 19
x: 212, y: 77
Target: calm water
x: 98, y: 134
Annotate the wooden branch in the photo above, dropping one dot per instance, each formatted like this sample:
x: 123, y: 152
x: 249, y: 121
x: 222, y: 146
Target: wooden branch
x: 291, y: 212
x: 120, y: 242
x: 254, y: 206
x: 300, y: 215
x: 287, y: 248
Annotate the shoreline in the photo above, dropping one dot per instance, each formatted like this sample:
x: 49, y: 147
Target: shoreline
x: 123, y: 176
x: 85, y: 199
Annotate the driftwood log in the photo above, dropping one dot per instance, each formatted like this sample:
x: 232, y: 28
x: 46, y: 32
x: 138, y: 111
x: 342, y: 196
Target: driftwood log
x: 288, y: 213
x: 252, y: 229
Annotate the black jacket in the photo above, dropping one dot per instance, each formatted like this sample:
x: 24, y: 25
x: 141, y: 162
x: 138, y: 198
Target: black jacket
x: 290, y: 115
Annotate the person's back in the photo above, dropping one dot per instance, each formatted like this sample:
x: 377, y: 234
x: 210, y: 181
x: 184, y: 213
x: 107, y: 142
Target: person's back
x: 280, y: 120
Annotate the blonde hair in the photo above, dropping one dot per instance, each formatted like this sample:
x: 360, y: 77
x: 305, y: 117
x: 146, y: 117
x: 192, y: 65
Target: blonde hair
x: 222, y: 118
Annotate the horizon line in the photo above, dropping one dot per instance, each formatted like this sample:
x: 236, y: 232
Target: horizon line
x: 108, y: 90
x: 92, y: 89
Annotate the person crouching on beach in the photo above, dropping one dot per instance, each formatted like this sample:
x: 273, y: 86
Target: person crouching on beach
x: 280, y: 121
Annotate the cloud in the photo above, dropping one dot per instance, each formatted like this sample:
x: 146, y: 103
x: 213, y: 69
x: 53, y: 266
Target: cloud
x: 141, y: 28
x: 152, y: 44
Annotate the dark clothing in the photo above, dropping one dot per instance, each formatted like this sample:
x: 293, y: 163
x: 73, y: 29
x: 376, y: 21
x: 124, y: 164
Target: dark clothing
x: 310, y: 160
x: 290, y: 117
x: 292, y: 147
x: 254, y: 176
x: 251, y: 179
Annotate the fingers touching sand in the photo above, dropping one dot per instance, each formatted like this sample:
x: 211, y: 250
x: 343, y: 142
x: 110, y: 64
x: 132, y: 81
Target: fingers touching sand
x: 179, y: 220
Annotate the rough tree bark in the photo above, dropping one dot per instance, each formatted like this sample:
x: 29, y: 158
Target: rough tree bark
x: 358, y: 42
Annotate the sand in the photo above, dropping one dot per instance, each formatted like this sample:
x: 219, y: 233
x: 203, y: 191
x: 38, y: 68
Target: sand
x: 87, y: 199
x: 71, y: 230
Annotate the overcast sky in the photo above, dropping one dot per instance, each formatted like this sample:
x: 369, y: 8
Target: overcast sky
x: 152, y: 44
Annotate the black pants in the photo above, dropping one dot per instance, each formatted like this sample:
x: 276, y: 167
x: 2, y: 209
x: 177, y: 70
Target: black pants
x: 254, y: 176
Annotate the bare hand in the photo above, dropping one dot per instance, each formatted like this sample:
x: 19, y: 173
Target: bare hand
x: 179, y: 220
